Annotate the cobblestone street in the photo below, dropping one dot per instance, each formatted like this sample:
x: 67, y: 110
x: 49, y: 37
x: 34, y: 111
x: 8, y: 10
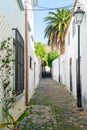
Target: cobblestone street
x: 52, y: 107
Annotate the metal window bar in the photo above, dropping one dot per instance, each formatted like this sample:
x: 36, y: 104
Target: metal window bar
x: 19, y: 63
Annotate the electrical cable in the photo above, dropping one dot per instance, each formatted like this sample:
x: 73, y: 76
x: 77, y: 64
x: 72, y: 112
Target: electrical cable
x: 46, y: 9
x: 57, y: 7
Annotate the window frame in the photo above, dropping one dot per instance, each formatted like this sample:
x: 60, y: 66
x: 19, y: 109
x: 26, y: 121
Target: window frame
x: 31, y: 63
x: 19, y: 62
x: 21, y: 6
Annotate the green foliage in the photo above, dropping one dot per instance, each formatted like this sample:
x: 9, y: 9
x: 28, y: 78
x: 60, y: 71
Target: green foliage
x: 6, y: 67
x: 52, y: 56
x: 57, y: 23
x: 6, y: 72
x: 46, y: 57
x: 11, y: 121
x: 41, y: 51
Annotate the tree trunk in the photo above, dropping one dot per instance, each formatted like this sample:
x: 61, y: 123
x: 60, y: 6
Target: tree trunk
x: 62, y: 47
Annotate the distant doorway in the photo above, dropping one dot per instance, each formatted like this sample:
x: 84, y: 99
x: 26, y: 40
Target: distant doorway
x: 46, y: 72
x: 70, y: 66
x: 34, y: 74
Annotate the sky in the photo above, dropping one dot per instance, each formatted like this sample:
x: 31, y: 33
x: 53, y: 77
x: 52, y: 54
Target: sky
x: 39, y: 24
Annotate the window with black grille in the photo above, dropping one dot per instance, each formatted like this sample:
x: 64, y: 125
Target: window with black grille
x: 19, y: 62
x: 30, y: 62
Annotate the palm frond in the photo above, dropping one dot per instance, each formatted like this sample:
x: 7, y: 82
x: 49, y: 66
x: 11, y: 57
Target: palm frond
x: 57, y: 22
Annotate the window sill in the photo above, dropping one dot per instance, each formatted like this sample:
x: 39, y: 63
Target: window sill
x: 31, y: 69
x: 17, y: 97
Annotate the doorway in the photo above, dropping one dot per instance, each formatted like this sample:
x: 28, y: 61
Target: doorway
x: 34, y: 74
x: 70, y: 66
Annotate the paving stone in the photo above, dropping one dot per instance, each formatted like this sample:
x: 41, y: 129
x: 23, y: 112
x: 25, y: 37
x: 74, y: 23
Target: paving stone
x: 52, y: 107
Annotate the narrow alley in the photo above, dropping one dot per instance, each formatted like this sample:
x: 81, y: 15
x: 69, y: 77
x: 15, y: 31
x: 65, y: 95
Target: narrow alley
x: 52, y: 107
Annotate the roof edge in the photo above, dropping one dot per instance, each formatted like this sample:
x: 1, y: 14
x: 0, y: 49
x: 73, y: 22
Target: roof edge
x: 71, y: 15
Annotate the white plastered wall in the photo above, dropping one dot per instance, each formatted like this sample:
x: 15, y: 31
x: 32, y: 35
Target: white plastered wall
x: 12, y: 17
x: 71, y: 51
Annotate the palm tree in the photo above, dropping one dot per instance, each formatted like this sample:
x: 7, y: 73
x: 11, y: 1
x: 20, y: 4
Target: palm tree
x: 49, y: 32
x: 57, y: 23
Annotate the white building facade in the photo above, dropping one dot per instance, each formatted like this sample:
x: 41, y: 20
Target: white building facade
x: 69, y: 60
x: 12, y: 24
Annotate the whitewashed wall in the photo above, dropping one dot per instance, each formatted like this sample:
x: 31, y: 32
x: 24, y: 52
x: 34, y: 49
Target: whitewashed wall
x: 55, y: 69
x: 34, y: 74
x: 83, y: 4
x: 12, y: 17
x: 71, y: 51
x: 5, y: 32
x: 59, y: 69
x: 13, y: 14
x: 84, y: 54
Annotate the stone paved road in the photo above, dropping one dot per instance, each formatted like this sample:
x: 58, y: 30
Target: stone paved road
x: 52, y: 107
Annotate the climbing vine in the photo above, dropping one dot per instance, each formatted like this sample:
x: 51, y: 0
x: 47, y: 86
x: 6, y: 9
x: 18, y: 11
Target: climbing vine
x: 6, y: 73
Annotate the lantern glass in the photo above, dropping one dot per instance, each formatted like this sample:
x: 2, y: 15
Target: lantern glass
x: 78, y: 14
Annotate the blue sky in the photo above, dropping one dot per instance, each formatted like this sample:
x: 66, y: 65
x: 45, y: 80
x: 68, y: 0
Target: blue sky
x: 40, y: 25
